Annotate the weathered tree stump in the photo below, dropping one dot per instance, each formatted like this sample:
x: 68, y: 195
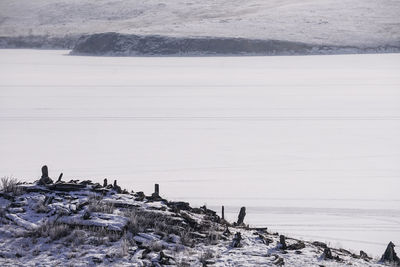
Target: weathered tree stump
x: 390, y: 255
x: 282, y: 241
x: 241, y: 216
x: 156, y: 190
x: 116, y: 187
x: 45, y: 172
x: 45, y: 179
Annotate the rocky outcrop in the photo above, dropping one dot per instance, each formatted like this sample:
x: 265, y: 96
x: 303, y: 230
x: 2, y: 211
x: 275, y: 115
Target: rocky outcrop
x: 117, y: 44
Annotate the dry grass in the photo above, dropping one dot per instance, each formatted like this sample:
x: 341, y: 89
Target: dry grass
x: 52, y: 230
x: 10, y: 185
x: 205, y: 256
x: 96, y: 204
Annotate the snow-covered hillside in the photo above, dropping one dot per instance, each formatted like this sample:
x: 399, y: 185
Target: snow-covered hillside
x: 334, y: 22
x: 83, y: 223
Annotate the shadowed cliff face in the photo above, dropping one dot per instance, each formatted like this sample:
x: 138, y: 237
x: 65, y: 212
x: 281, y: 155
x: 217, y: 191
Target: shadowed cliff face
x: 129, y: 45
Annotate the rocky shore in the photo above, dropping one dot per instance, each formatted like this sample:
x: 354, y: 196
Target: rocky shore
x: 79, y: 223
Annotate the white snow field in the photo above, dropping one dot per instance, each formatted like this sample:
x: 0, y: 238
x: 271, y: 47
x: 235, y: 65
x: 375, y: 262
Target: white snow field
x: 360, y: 23
x: 309, y: 144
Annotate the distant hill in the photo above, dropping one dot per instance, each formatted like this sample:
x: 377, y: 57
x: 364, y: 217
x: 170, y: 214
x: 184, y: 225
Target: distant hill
x: 359, y: 23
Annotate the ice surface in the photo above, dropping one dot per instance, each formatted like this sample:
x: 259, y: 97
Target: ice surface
x: 310, y: 145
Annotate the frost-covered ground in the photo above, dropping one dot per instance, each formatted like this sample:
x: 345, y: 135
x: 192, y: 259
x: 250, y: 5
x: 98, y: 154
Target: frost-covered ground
x: 310, y: 145
x: 334, y: 22
x: 86, y: 224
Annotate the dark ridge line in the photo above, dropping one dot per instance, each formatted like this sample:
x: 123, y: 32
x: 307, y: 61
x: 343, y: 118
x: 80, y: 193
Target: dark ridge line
x: 116, y: 44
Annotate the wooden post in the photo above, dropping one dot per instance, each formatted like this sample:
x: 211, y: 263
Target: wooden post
x: 59, y: 177
x: 156, y: 190
x: 241, y: 216
x: 45, y: 172
x: 223, y: 213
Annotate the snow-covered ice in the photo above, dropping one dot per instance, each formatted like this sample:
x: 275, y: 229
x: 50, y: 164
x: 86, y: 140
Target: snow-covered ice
x: 310, y: 145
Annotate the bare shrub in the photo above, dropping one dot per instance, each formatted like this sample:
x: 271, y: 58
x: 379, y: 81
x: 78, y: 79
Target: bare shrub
x: 140, y: 220
x: 96, y: 204
x: 124, y: 247
x: 10, y: 185
x: 186, y: 238
x: 77, y: 237
x: 40, y: 207
x: 205, y: 256
x: 52, y: 230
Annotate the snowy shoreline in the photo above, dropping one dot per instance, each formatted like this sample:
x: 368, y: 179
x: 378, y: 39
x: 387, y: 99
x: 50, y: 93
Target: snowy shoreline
x: 85, y: 223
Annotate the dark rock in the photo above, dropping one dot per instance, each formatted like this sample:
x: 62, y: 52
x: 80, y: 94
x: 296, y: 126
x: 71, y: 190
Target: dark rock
x: 390, y: 254
x: 236, y: 240
x: 67, y: 187
x: 319, y: 244
x: 139, y: 196
x: 165, y: 259
x: 177, y: 206
x: 86, y: 215
x: 208, y: 212
x: 86, y: 182
x: 364, y: 256
x: 296, y: 246
x: 241, y: 216
x: 105, y: 183
x: 279, y: 262
x: 282, y: 242
x: 327, y: 254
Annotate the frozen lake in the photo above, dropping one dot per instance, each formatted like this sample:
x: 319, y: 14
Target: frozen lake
x: 309, y: 144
